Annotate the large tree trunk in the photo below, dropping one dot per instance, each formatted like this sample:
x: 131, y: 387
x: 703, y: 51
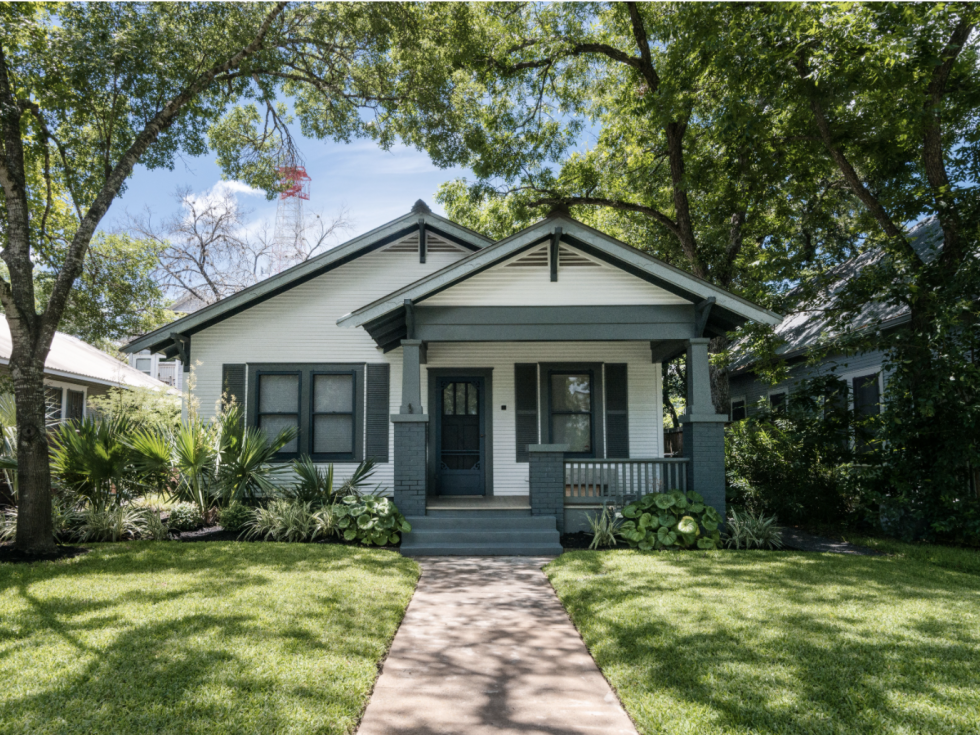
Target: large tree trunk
x: 34, y: 530
x: 720, y: 394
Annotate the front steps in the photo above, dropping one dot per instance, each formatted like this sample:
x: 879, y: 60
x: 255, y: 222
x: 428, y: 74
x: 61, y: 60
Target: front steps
x: 490, y: 532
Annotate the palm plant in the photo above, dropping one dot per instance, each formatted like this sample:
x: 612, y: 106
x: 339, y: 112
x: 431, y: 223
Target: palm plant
x: 93, y: 459
x: 316, y: 484
x: 245, y: 469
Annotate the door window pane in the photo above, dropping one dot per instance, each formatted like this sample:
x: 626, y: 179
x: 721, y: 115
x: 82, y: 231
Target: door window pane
x: 571, y: 392
x: 333, y: 434
x: 460, y: 399
x: 448, y: 394
x: 575, y: 430
x: 471, y: 399
x: 333, y: 393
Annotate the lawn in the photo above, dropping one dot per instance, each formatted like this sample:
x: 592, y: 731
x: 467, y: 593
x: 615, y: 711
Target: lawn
x: 197, y: 638
x: 765, y: 642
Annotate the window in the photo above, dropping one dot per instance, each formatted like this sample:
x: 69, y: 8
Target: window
x: 323, y: 403
x: 777, y: 401
x: 52, y: 404
x: 867, y: 400
x: 144, y: 364
x: 571, y: 411
x: 738, y: 409
x: 278, y: 401
x: 75, y: 405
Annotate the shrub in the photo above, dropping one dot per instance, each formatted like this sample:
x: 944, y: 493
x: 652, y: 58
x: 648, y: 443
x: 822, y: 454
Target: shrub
x: 316, y: 484
x: 185, y: 517
x: 8, y: 525
x: 91, y: 458
x: 234, y: 517
x: 67, y: 517
x: 112, y: 524
x: 154, y: 528
x: 671, y: 519
x: 372, y: 519
x: 290, y: 520
x: 605, y: 528
x: 748, y: 531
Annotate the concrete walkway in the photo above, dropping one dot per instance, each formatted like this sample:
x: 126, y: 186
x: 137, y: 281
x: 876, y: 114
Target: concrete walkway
x: 486, y: 647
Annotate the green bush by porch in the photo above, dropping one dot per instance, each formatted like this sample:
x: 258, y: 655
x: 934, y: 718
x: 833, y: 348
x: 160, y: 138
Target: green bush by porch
x: 197, y: 638
x: 773, y: 642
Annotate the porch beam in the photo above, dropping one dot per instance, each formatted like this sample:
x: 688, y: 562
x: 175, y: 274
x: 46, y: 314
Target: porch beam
x: 411, y: 380
x: 667, y: 350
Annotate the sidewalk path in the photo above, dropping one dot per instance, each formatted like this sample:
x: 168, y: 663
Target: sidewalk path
x: 486, y: 647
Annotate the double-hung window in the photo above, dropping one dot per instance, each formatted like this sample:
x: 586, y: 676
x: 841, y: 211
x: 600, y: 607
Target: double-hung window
x: 323, y: 403
x: 738, y: 409
x: 572, y: 411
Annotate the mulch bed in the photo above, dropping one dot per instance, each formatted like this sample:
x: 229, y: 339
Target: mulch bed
x: 577, y: 540
x: 10, y: 555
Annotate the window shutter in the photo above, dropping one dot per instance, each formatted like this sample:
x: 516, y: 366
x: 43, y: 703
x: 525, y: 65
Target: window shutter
x: 378, y: 402
x: 526, y: 408
x: 617, y: 413
x: 233, y: 384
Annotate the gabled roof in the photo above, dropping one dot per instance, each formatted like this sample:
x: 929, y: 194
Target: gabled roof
x: 161, y: 340
x: 727, y: 312
x: 812, y: 325
x: 72, y: 359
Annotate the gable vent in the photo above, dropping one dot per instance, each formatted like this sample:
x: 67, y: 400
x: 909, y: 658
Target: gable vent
x: 433, y: 244
x: 572, y: 258
x: 409, y: 244
x: 537, y: 257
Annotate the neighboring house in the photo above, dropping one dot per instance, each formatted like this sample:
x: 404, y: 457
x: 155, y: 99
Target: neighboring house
x: 75, y: 371
x: 807, y: 330
x: 156, y: 366
x: 508, y: 386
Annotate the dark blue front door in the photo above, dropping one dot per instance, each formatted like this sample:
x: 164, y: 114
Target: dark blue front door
x: 460, y: 469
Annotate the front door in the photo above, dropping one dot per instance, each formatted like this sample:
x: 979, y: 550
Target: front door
x: 462, y: 457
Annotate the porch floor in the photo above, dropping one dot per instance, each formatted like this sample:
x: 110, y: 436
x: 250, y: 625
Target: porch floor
x: 478, y: 502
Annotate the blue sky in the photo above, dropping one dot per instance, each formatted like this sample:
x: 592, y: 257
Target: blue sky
x: 375, y: 186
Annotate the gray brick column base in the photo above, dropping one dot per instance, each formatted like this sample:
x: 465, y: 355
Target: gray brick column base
x: 547, y: 480
x: 704, y: 444
x: 410, y: 465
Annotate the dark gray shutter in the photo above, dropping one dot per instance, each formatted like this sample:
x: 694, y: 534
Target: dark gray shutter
x: 233, y: 384
x: 526, y: 407
x: 378, y: 386
x: 617, y: 413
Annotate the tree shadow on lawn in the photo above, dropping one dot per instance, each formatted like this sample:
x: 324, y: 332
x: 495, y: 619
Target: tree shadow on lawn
x: 781, y: 643
x: 302, y: 659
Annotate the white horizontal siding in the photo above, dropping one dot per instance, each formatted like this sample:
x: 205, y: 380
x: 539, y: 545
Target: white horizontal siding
x: 643, y: 379
x: 530, y: 285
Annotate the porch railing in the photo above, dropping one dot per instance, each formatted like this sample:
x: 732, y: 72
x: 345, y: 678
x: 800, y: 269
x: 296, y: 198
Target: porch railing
x: 622, y: 481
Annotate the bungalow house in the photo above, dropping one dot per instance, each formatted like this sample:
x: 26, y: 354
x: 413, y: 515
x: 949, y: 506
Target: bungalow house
x: 75, y: 371
x: 811, y: 329
x: 505, y: 388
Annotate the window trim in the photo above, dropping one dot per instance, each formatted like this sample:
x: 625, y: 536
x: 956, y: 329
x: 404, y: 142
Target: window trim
x: 259, y: 374
x: 598, y: 408
x: 306, y: 372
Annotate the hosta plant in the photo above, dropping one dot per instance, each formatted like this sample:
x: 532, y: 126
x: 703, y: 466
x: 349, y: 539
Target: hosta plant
x: 673, y: 519
x: 748, y: 531
x: 372, y: 519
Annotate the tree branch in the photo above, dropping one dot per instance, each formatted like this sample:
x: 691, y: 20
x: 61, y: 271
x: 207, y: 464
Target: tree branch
x: 650, y: 212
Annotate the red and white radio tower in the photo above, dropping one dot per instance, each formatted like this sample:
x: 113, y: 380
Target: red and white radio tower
x: 290, y: 239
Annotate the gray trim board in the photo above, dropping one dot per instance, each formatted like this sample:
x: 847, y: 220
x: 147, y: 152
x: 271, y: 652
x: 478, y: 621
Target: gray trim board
x: 433, y: 400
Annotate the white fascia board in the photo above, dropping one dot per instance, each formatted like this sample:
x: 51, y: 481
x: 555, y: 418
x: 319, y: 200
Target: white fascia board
x: 241, y: 299
x: 457, y: 271
x: 462, y: 269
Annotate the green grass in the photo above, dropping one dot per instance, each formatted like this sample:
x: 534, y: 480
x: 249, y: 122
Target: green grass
x: 957, y: 558
x: 765, y: 642
x: 156, y: 637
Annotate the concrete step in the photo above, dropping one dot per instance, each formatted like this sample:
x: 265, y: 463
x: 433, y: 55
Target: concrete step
x: 495, y: 536
x: 477, y: 512
x: 482, y: 549
x: 483, y: 522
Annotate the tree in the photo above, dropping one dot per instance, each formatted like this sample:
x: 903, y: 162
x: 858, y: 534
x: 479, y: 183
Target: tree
x: 89, y: 90
x: 206, y: 251
x: 682, y: 161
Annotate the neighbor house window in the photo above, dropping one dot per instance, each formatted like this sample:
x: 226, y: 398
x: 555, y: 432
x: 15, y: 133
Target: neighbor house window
x: 52, y: 404
x: 323, y: 403
x: 777, y: 401
x: 867, y: 405
x: 738, y: 409
x: 144, y: 364
x: 571, y: 411
x: 75, y: 405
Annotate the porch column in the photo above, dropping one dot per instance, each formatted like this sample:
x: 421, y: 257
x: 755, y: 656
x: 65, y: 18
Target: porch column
x: 704, y: 430
x: 410, y: 436
x: 546, y: 472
